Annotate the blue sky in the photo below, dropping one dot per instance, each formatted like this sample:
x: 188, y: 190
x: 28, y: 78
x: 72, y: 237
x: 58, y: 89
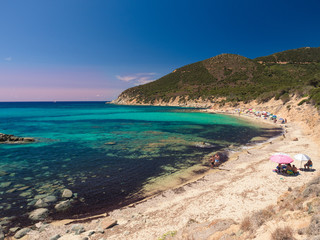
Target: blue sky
x: 95, y: 49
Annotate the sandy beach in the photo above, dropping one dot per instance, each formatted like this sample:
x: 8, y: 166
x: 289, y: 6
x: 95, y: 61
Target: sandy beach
x: 241, y: 186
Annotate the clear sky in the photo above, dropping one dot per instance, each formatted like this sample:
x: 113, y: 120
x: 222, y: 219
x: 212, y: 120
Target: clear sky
x: 94, y: 49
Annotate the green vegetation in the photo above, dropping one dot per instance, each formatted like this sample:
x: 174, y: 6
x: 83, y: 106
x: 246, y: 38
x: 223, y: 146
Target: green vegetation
x: 237, y: 78
x: 300, y: 55
x: 168, y: 234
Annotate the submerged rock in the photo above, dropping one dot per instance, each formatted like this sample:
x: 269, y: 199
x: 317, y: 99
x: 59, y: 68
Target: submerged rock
x: 41, y: 204
x: 21, y: 233
x: 204, y: 145
x: 50, y: 199
x: 63, y: 206
x: 39, y: 214
x: 67, y: 193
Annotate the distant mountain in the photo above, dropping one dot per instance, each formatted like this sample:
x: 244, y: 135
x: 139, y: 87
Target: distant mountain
x: 233, y: 78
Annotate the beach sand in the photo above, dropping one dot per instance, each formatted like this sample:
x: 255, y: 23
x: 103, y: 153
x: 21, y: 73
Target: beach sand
x: 244, y: 184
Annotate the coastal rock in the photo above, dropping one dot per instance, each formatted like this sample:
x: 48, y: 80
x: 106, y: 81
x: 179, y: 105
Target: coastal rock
x: 7, y: 138
x: 1, y: 235
x: 77, y: 229
x: 13, y: 230
x: 67, y: 193
x: 21, y: 233
x: 28, y: 139
x: 89, y: 233
x: 63, y: 206
x: 108, y: 222
x: 39, y: 214
x: 56, y: 237
x: 73, y: 237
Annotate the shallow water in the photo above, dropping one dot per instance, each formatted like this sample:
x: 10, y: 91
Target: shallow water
x: 102, y: 152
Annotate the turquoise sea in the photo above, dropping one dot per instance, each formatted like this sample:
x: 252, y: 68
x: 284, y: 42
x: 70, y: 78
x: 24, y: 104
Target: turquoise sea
x: 104, y: 153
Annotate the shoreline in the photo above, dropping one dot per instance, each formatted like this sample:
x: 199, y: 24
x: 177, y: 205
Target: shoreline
x: 180, y: 178
x: 215, y: 195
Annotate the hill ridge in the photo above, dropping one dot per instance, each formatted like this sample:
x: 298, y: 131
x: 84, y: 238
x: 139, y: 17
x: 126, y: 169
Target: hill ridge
x: 235, y: 78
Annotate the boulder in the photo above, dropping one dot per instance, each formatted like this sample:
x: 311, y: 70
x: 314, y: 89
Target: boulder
x: 67, y: 193
x: 1, y: 235
x: 77, y: 229
x: 6, y: 138
x: 21, y: 233
x: 63, y: 206
x: 41, y: 204
x: 39, y: 214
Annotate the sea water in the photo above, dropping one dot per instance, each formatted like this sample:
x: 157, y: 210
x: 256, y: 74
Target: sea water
x: 103, y: 153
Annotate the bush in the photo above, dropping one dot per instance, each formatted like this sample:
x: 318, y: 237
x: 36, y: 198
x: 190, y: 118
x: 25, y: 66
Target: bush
x: 246, y: 224
x: 302, y: 102
x: 285, y: 98
x: 315, y: 96
x: 261, y: 217
x: 285, y: 233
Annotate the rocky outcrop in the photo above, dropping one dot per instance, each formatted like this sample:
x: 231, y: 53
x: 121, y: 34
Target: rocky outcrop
x: 7, y: 138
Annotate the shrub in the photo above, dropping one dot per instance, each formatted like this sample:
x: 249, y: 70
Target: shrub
x: 261, y: 217
x: 285, y: 233
x: 302, y: 102
x: 246, y: 224
x: 285, y: 98
x: 315, y: 96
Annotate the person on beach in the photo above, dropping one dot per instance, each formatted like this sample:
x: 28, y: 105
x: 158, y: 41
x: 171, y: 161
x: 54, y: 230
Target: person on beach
x: 295, y: 170
x: 279, y: 168
x: 289, y: 169
x: 308, y: 165
x: 215, y: 160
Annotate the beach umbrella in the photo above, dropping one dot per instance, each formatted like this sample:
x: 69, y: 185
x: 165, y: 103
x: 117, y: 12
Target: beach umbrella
x: 281, y: 158
x: 301, y: 157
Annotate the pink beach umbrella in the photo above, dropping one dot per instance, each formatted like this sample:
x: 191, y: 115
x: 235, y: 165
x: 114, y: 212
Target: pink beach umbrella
x: 281, y: 158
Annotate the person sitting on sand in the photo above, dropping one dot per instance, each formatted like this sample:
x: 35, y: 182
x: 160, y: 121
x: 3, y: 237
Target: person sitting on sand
x: 212, y: 161
x: 308, y: 165
x: 289, y: 169
x: 279, y: 168
x: 295, y: 170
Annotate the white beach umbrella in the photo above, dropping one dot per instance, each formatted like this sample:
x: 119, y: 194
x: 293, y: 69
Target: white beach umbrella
x: 301, y: 157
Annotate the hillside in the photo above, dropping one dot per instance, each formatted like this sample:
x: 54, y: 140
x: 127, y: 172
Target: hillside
x: 233, y: 78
